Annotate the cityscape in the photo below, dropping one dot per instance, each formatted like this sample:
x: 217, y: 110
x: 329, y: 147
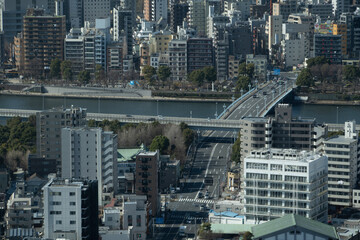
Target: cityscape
x: 179, y: 119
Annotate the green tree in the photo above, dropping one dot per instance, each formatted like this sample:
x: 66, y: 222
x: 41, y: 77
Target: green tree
x: 243, y: 83
x: 66, y: 71
x: 250, y: 68
x: 197, y: 77
x: 210, y: 74
x: 91, y: 123
x: 160, y: 142
x: 242, y: 69
x: 163, y: 73
x: 99, y: 73
x: 84, y: 77
x: 236, y: 150
x: 188, y: 135
x: 350, y: 73
x: 247, y: 236
x: 305, y: 79
x: 55, y: 68
x: 149, y: 72
x: 317, y: 61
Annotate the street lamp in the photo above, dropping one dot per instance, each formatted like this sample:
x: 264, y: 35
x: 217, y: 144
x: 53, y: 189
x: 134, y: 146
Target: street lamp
x: 337, y: 115
x: 224, y: 106
x: 216, y: 113
x: 242, y: 92
x: 273, y: 94
x: 190, y: 114
x: 249, y: 86
x: 256, y: 83
x: 265, y: 102
x: 257, y: 110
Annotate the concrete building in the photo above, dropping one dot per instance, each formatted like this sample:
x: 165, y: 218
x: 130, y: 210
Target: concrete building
x: 294, y: 50
x: 340, y: 6
x: 260, y: 64
x: 328, y: 46
x: 90, y: 153
x: 169, y: 173
x: 41, y: 166
x: 323, y: 10
x: 285, y: 181
x: 19, y: 212
x: 342, y: 152
x: 48, y: 131
x: 159, y: 41
x: 95, y: 10
x: 178, y: 59
x: 123, y: 24
x: 199, y: 53
x: 197, y: 16
x: 233, y: 179
x: 75, y: 16
x: 340, y: 29
x: 147, y: 179
x: 284, y: 8
x: 71, y: 209
x: 352, y: 22
x: 74, y: 50
x: 116, y: 52
x: 178, y: 12
x: 233, y: 68
x: 281, y: 131
x: 39, y: 54
x: 274, y: 31
x: 128, y: 212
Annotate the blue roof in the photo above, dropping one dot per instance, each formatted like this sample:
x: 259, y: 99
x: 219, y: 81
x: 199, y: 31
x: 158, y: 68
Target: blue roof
x: 226, y: 214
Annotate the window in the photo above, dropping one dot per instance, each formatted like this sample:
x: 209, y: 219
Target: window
x: 138, y: 220
x: 58, y: 222
x: 72, y: 203
x: 72, y: 212
x: 130, y: 220
x: 72, y: 193
x: 72, y: 222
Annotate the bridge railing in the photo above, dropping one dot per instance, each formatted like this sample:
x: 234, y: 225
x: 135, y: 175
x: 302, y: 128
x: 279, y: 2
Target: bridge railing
x: 235, y: 102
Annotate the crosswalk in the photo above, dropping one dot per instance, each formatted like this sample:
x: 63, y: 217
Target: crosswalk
x: 196, y: 200
x: 187, y: 217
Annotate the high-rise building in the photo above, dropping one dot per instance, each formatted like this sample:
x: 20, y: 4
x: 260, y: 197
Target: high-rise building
x: 96, y: 10
x: 340, y: 6
x: 178, y: 12
x: 178, y: 59
x: 48, y: 131
x: 123, y: 25
x: 71, y: 209
x: 285, y: 181
x: 200, y: 53
x: 342, y: 152
x: 38, y: 54
x: 75, y: 50
x: 281, y: 131
x: 328, y: 46
x: 90, y: 153
x: 197, y: 16
x: 147, y: 178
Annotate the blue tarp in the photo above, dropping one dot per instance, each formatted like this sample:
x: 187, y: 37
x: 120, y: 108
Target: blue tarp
x: 226, y: 214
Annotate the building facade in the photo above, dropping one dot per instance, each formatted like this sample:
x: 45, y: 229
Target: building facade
x: 285, y: 181
x: 90, y: 153
x: 71, y: 209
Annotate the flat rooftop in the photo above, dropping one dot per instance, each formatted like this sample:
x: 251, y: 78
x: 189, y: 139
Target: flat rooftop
x: 284, y: 154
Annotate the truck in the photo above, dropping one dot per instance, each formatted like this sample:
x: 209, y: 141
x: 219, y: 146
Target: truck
x: 182, y: 230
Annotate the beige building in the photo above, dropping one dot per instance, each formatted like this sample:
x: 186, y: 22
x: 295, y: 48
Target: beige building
x: 233, y: 179
x: 159, y: 41
x: 233, y: 68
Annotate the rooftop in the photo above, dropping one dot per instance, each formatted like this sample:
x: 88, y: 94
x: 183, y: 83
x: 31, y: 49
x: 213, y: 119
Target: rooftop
x: 340, y: 139
x: 284, y: 154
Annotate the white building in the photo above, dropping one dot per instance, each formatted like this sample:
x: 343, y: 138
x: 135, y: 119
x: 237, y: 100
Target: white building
x: 70, y: 209
x: 285, y: 181
x: 90, y: 153
x: 274, y: 30
x: 260, y: 64
x: 342, y: 152
x: 178, y: 59
x: 293, y: 50
x: 96, y: 9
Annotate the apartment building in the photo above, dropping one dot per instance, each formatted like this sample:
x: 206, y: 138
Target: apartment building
x: 199, y: 53
x: 48, y: 131
x: 96, y: 10
x: 43, y: 40
x: 147, y: 178
x: 178, y: 12
x: 90, y: 153
x: 328, y: 46
x: 127, y: 211
x: 260, y: 65
x: 280, y: 131
x: 74, y: 50
x: 197, y: 16
x: 285, y: 181
x: 71, y: 209
x: 178, y: 59
x: 342, y: 152
x: 123, y: 24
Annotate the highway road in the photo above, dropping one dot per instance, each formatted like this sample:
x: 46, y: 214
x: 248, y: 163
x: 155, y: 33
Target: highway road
x: 189, y: 209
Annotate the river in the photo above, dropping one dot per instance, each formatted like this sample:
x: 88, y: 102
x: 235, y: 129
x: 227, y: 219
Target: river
x: 322, y: 113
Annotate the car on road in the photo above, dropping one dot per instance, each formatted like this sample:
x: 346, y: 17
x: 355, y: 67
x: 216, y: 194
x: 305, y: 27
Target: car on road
x: 264, y: 93
x: 202, y: 207
x: 254, y: 96
x: 207, y: 195
x: 200, y: 195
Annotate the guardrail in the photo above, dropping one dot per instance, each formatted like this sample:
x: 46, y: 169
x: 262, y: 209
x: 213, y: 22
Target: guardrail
x: 235, y: 102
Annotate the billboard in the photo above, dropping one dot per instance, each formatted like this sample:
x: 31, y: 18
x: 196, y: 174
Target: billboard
x: 324, y: 28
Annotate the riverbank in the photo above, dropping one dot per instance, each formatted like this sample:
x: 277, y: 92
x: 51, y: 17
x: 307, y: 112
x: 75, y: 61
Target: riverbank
x: 332, y: 102
x: 103, y: 95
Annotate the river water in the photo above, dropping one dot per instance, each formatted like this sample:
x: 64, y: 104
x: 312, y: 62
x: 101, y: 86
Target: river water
x: 322, y: 113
